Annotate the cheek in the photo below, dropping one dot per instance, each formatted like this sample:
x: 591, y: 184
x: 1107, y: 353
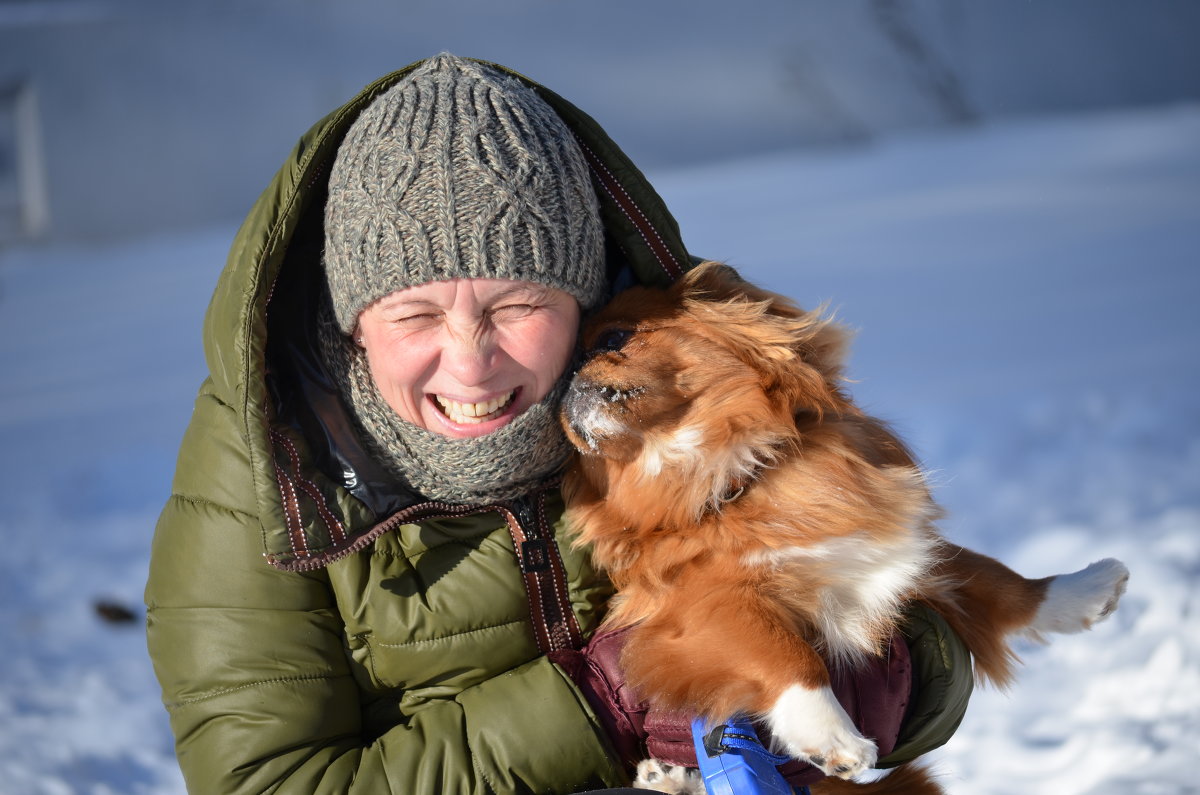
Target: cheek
x: 396, y: 375
x: 545, y: 352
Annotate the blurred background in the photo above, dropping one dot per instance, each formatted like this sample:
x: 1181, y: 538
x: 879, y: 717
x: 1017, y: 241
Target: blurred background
x: 122, y: 117
x: 1001, y: 197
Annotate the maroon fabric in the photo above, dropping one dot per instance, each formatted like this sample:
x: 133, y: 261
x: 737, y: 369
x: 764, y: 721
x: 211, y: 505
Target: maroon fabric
x: 875, y: 696
x: 669, y: 737
x: 596, y: 671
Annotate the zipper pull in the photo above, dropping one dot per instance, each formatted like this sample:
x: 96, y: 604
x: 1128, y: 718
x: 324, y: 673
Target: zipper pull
x: 534, y: 550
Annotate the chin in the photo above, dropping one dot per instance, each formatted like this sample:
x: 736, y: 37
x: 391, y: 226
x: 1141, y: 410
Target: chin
x: 740, y: 500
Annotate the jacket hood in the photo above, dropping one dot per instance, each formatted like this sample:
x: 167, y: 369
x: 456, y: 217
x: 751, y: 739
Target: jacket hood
x: 312, y: 483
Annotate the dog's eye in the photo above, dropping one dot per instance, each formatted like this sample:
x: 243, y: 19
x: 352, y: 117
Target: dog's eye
x: 611, y: 340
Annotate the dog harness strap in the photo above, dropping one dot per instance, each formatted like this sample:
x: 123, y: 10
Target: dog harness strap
x: 732, y: 759
x: 554, y: 624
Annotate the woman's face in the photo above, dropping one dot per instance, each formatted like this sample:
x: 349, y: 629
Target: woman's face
x: 464, y: 357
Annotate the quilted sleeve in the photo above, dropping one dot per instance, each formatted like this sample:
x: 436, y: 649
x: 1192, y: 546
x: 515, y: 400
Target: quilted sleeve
x: 254, y: 673
x: 942, y: 685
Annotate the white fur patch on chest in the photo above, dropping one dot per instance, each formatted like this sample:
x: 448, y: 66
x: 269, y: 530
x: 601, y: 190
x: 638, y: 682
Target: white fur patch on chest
x: 865, y: 580
x: 685, y: 452
x: 681, y: 449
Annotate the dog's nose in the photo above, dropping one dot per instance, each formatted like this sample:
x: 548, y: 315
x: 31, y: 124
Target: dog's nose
x: 580, y: 407
x: 582, y: 396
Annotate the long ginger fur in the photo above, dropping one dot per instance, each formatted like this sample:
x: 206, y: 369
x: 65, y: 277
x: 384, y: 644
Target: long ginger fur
x: 755, y: 522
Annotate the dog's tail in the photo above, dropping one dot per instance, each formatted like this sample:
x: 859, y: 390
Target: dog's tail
x: 908, y: 779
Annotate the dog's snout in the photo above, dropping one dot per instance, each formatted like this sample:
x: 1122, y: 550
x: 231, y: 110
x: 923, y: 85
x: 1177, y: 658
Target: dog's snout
x: 587, y: 393
x: 582, y: 397
x: 583, y: 412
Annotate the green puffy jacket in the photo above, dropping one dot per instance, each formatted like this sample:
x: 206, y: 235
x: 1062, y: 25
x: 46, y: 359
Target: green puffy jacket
x: 313, y: 628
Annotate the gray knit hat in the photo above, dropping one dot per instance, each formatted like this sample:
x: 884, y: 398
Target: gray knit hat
x: 459, y: 170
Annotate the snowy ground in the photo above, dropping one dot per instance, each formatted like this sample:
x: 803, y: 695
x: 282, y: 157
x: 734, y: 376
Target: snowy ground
x: 1025, y: 299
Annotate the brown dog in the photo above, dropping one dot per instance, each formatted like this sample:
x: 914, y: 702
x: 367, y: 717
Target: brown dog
x: 739, y: 500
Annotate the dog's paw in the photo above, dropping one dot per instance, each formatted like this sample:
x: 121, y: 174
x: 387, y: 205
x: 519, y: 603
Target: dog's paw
x: 1074, y: 602
x: 811, y: 725
x: 671, y: 779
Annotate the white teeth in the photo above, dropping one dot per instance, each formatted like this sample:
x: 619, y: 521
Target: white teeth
x: 473, y: 413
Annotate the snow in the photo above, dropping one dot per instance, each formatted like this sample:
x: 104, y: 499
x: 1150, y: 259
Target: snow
x: 1024, y: 298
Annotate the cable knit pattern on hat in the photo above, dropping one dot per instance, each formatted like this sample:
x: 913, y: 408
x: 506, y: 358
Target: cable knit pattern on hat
x: 459, y: 171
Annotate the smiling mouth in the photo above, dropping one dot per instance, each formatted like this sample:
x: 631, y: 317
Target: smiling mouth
x: 474, y: 413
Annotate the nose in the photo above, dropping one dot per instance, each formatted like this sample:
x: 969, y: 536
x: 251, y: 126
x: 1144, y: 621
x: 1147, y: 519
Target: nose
x: 470, y: 355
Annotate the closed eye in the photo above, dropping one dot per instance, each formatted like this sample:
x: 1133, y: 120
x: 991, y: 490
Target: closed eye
x: 416, y: 320
x: 512, y: 311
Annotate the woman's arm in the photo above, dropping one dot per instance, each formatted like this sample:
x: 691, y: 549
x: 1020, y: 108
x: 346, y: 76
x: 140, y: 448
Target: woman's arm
x: 255, y: 676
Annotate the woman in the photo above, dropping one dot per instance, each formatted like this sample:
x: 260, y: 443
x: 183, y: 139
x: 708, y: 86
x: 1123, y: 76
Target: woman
x: 360, y: 582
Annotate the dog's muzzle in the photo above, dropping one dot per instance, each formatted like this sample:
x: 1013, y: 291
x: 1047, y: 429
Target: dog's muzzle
x: 588, y: 409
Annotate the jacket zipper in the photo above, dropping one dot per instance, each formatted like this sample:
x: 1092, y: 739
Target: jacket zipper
x: 538, y: 557
x: 545, y: 577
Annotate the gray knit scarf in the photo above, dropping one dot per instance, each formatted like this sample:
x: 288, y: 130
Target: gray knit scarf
x: 514, y: 460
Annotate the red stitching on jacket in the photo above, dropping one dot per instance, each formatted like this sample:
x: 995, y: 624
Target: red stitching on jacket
x: 291, y: 512
x: 574, y: 638
x: 533, y: 585
x: 658, y: 247
x: 415, y: 513
x: 337, y: 530
x: 568, y: 634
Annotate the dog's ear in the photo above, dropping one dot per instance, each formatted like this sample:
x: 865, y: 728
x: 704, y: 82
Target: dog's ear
x: 811, y: 376
x: 823, y: 342
x: 799, y: 353
x: 715, y: 280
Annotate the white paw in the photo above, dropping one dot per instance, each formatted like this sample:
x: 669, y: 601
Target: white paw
x: 672, y: 779
x: 1074, y: 602
x: 811, y: 725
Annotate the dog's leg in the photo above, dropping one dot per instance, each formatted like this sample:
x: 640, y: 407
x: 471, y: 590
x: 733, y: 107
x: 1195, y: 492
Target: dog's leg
x: 1074, y: 602
x: 811, y: 724
x: 734, y: 658
x: 985, y: 602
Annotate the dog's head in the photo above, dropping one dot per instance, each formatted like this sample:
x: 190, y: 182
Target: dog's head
x: 712, y: 367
